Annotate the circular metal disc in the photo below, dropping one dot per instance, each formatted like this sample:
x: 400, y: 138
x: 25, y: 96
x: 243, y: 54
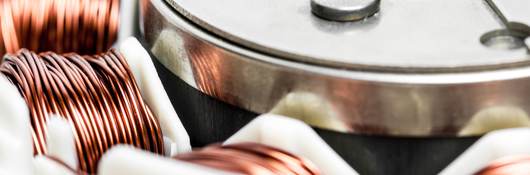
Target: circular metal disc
x: 404, y: 36
x: 344, y: 10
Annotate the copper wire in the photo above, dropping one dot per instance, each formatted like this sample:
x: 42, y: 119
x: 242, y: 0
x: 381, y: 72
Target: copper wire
x: 250, y: 158
x: 81, y: 26
x: 96, y: 94
x: 513, y: 165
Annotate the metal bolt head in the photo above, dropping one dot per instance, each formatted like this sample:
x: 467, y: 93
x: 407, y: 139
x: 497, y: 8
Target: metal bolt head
x: 344, y: 10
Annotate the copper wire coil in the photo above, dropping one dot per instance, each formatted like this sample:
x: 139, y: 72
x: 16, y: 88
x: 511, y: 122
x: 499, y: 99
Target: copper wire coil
x: 96, y: 94
x: 81, y: 26
x: 250, y: 158
x: 513, y: 165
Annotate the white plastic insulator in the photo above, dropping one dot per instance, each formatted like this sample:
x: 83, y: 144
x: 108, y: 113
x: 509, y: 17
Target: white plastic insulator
x: 154, y: 94
x: 16, y: 146
x: 61, y: 141
x: 45, y: 166
x: 491, y: 147
x: 293, y: 136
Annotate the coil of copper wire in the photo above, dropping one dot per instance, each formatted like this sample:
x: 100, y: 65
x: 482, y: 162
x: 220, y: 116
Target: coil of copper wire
x: 81, y: 26
x: 250, y: 158
x: 513, y: 165
x: 96, y: 94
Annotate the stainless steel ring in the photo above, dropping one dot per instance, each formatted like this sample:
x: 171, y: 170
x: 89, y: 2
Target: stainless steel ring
x: 396, y: 103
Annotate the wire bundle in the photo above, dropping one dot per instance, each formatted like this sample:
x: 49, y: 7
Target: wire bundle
x: 96, y: 94
x: 250, y: 158
x: 508, y: 166
x: 82, y: 26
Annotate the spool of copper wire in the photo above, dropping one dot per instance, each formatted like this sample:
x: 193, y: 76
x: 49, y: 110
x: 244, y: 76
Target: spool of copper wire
x: 513, y: 165
x: 96, y: 94
x: 82, y: 26
x: 250, y: 158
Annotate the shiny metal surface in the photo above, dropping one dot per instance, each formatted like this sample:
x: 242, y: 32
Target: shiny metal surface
x: 512, y: 14
x: 406, y: 36
x: 370, y: 102
x: 514, y: 10
x: 344, y: 10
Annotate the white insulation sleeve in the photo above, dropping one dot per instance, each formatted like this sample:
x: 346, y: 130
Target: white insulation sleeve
x: 154, y: 94
x: 60, y: 145
x: 45, y: 166
x: 128, y: 19
x: 126, y: 160
x: 490, y: 147
x: 16, y: 147
x: 61, y: 141
x: 296, y: 137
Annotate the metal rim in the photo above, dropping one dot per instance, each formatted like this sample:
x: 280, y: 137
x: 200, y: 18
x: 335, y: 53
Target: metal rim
x: 362, y: 102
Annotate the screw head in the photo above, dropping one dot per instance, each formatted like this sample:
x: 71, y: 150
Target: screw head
x: 344, y: 10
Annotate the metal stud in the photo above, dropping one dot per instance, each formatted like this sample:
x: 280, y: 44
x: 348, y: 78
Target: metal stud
x: 344, y: 10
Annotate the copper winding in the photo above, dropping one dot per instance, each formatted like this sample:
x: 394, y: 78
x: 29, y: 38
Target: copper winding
x: 96, y: 94
x: 82, y: 26
x: 250, y: 158
x: 513, y: 165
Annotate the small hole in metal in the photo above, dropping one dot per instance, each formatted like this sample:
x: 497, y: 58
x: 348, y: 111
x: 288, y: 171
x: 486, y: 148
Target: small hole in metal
x: 503, y: 39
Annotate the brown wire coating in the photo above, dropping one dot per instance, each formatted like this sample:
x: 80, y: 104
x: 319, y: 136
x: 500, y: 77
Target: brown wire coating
x: 96, y: 94
x: 82, y: 26
x: 250, y: 158
x: 513, y: 165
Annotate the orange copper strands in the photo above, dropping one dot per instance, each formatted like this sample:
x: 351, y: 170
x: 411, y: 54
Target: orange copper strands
x: 250, y: 158
x: 513, y: 165
x: 82, y: 26
x: 96, y: 94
